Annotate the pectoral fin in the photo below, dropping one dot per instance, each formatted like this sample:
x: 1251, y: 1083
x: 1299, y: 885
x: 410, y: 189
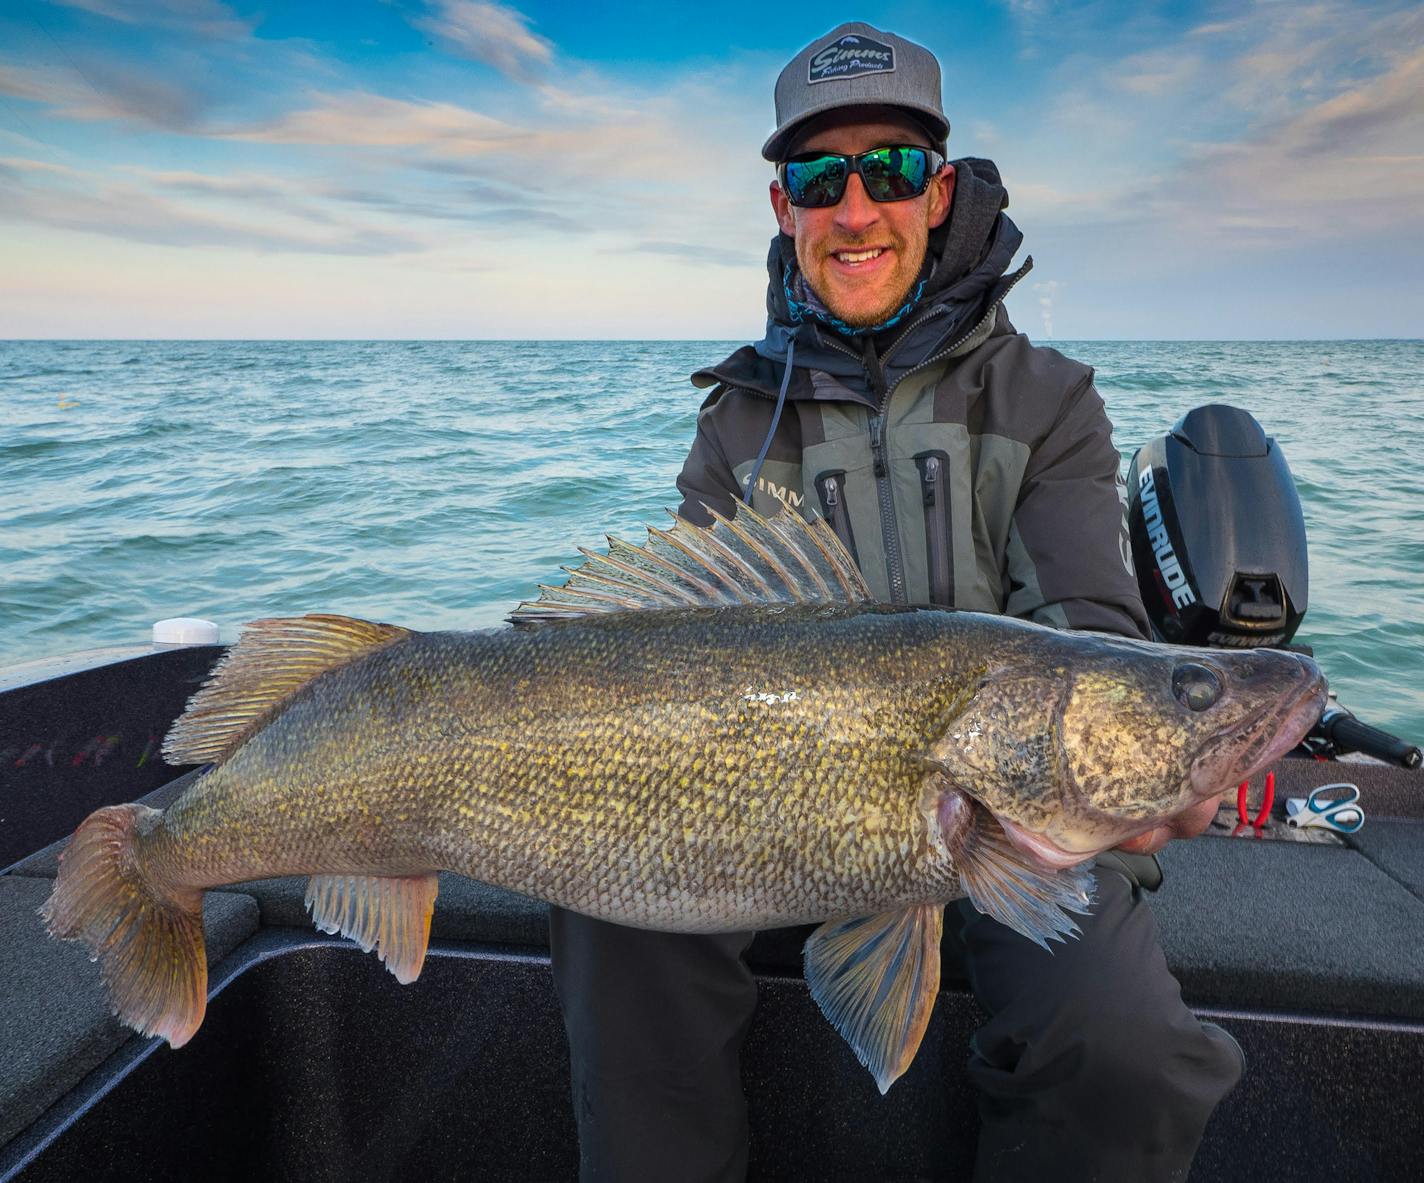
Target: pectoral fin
x: 875, y: 978
x: 1003, y: 883
x: 390, y: 915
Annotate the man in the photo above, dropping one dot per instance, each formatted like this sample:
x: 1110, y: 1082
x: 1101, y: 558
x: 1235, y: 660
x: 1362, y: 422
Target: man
x: 962, y: 466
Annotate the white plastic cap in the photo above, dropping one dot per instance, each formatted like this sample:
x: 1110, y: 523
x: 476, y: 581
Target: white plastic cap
x: 185, y: 630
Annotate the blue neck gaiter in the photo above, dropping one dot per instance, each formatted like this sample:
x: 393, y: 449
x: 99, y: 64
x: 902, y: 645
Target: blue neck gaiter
x: 803, y: 304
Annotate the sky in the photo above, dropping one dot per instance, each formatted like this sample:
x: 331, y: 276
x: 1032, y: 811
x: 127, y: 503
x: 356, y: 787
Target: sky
x: 468, y: 170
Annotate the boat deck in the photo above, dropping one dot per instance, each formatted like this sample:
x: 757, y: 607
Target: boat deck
x: 314, y: 1063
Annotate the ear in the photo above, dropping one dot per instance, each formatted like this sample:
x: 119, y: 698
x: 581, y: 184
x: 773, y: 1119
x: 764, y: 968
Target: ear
x: 782, y: 207
x: 941, y: 196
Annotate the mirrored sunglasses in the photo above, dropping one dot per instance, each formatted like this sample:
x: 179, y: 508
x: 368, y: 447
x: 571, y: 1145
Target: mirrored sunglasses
x: 895, y: 173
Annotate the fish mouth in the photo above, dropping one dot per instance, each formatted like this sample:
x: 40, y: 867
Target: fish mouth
x: 1260, y: 740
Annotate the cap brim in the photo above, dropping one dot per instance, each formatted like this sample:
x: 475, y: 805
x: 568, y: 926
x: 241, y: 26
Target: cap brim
x: 774, y: 149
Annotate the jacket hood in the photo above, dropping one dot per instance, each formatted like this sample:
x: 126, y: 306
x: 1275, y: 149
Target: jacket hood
x: 964, y: 273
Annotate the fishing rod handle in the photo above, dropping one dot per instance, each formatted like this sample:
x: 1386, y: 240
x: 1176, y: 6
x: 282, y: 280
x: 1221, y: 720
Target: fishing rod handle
x: 1348, y: 734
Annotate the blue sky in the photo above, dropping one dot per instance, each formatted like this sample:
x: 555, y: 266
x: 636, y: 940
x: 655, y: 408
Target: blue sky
x: 444, y: 168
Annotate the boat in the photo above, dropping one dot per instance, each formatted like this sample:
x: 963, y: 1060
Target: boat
x: 314, y: 1063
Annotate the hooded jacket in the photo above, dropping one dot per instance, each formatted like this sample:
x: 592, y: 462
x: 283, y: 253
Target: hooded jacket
x: 961, y: 465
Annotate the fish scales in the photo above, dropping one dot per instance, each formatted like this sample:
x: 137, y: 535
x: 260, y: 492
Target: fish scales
x: 744, y: 766
x: 782, y: 750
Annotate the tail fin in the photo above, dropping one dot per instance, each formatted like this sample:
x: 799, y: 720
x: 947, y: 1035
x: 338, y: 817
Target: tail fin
x: 147, y: 938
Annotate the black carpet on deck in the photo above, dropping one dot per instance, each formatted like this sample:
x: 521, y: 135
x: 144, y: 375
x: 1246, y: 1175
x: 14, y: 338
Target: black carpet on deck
x: 1284, y: 927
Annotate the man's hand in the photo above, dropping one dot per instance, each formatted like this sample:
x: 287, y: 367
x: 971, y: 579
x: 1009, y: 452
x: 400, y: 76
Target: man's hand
x: 1185, y: 825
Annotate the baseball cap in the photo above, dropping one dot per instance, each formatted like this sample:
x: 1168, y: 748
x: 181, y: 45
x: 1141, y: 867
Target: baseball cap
x: 857, y: 65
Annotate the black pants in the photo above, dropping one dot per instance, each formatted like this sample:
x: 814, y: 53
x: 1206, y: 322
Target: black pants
x: 1090, y: 1066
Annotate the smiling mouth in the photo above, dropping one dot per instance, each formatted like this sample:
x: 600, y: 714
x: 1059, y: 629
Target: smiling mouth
x: 858, y: 258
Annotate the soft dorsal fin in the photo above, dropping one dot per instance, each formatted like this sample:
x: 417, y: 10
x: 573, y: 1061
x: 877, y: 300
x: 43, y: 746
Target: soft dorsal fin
x: 749, y: 559
x: 271, y: 661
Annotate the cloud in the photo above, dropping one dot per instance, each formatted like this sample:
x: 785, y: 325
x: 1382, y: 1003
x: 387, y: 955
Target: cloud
x: 39, y: 86
x: 237, y: 187
x: 1287, y: 56
x: 68, y: 199
x: 493, y: 34
x: 563, y: 185
x: 102, y: 91
x: 1166, y: 72
x: 159, y: 102
x: 1284, y: 126
x: 19, y: 165
x: 1216, y: 28
x: 701, y: 254
x: 360, y: 119
x: 1386, y: 114
x: 1028, y: 10
x: 392, y: 202
x: 206, y: 18
x: 1351, y: 163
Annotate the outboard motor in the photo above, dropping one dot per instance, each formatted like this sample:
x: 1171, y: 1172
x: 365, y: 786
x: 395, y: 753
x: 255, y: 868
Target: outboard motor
x: 1218, y: 538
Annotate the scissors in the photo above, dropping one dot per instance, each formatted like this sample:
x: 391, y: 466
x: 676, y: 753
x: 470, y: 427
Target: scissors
x: 1341, y: 814
x: 1243, y: 815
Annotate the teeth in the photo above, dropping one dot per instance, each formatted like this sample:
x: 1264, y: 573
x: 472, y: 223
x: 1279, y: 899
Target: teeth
x: 859, y: 256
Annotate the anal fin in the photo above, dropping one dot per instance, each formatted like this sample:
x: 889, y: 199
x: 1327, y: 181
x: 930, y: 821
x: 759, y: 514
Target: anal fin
x: 876, y: 978
x: 390, y: 915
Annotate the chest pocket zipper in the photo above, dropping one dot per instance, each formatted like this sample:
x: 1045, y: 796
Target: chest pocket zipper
x: 830, y: 488
x: 933, y: 468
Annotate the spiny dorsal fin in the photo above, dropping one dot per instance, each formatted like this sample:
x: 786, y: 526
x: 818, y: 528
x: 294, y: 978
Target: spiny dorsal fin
x: 386, y: 913
x: 749, y: 559
x: 271, y: 661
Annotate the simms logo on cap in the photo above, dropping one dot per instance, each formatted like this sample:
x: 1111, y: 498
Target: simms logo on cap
x: 850, y: 56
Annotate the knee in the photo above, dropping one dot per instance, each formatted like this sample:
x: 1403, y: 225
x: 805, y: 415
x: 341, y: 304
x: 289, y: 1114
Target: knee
x: 1134, y: 1056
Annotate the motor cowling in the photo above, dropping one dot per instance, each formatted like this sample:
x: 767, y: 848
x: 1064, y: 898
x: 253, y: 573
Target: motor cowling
x: 1218, y: 538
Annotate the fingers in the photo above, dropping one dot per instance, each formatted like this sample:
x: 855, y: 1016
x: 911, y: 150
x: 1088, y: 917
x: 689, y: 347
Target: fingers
x: 1196, y: 819
x: 1187, y: 824
x: 1148, y: 843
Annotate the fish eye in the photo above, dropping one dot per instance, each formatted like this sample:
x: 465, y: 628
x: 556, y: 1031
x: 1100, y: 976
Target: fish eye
x: 1195, y: 686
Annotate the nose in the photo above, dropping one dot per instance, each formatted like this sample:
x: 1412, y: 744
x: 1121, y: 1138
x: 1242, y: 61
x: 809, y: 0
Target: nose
x: 855, y: 213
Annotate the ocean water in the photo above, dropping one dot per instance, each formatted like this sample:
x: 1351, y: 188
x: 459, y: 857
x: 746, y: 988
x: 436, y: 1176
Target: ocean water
x: 434, y: 484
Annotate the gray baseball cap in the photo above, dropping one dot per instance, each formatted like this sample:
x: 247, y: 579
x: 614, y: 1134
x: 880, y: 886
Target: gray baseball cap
x: 857, y: 65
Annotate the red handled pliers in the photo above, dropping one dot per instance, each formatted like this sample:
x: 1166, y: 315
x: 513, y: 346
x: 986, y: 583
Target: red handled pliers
x: 1244, y: 821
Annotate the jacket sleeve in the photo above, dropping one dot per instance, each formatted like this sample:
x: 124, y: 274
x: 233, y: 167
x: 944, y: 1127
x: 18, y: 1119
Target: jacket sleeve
x: 1069, y: 561
x: 706, y: 478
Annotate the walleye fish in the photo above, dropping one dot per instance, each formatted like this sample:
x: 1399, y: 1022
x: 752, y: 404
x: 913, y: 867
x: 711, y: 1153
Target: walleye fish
x: 715, y: 731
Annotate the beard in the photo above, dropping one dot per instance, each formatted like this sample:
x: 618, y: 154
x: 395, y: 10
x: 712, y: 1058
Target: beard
x: 868, y: 297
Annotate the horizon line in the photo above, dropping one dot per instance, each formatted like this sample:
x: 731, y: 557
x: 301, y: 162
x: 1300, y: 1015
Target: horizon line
x: 646, y: 340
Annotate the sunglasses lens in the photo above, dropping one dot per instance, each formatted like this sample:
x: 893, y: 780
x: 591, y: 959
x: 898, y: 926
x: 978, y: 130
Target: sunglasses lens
x: 889, y: 174
x: 820, y: 181
x: 894, y: 174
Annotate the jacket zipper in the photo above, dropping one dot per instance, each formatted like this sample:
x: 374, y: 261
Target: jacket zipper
x: 936, y: 509
x: 989, y: 314
x: 885, y: 489
x: 873, y: 367
x: 836, y: 511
